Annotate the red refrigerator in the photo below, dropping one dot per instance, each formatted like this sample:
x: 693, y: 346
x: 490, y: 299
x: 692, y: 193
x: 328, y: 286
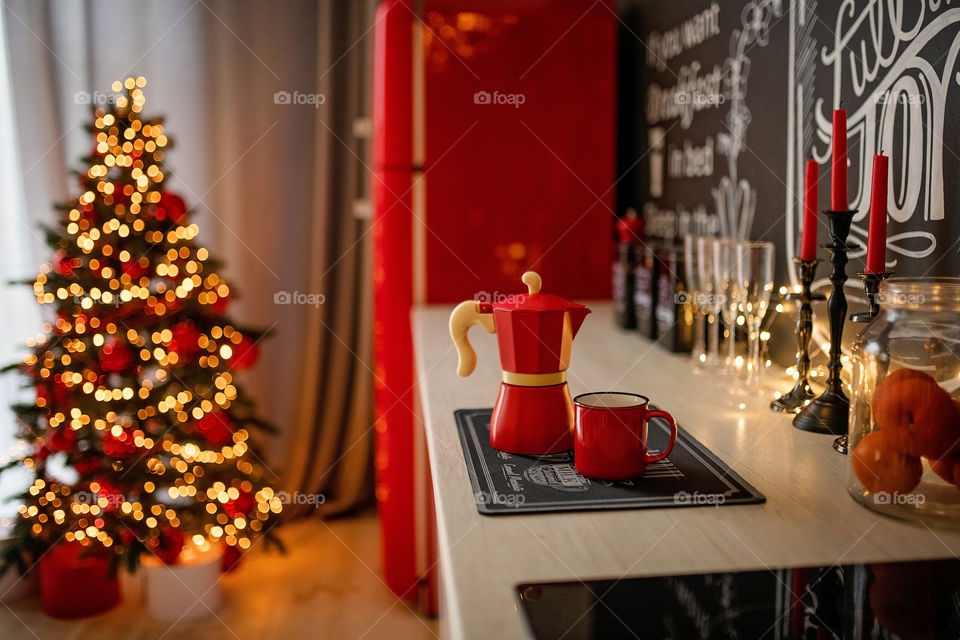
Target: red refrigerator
x: 494, y: 154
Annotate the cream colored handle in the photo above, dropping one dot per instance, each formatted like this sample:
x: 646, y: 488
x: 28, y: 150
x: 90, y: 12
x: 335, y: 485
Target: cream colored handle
x: 532, y: 280
x: 465, y: 315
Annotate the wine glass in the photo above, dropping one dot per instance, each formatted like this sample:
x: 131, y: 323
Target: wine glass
x: 755, y: 283
x: 692, y: 270
x: 708, y: 302
x: 726, y: 292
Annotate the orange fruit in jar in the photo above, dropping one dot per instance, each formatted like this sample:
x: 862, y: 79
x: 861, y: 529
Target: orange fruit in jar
x: 905, y: 374
x: 881, y: 466
x: 921, y: 419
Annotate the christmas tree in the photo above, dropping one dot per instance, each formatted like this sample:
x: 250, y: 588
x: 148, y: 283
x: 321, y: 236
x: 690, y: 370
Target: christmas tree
x: 140, y: 437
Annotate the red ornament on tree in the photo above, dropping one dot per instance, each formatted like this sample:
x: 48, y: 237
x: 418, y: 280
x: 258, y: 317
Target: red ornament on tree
x: 61, y: 392
x: 185, y: 339
x: 121, y: 446
x: 118, y: 195
x: 55, y: 392
x: 170, y: 206
x: 63, y: 264
x: 245, y: 354
x: 134, y: 269
x: 62, y: 439
x: 89, y: 212
x: 242, y: 505
x: 215, y: 427
x: 115, y: 357
x: 87, y: 465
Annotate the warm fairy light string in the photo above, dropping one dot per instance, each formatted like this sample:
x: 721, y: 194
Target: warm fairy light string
x: 138, y: 150
x: 55, y: 495
x: 823, y: 347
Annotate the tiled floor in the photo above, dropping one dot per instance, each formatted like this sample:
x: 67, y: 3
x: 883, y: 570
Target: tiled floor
x: 327, y: 585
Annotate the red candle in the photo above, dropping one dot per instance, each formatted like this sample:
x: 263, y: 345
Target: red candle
x: 838, y: 170
x: 877, y: 231
x: 808, y: 242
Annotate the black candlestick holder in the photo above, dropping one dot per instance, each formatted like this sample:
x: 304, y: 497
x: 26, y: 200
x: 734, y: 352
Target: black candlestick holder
x: 871, y: 285
x: 828, y: 412
x: 795, y: 399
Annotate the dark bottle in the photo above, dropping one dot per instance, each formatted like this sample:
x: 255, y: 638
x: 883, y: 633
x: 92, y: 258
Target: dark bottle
x: 645, y: 289
x: 624, y: 311
x: 630, y: 235
x: 674, y: 308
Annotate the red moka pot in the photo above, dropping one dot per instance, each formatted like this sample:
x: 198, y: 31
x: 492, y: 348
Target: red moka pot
x: 534, y: 412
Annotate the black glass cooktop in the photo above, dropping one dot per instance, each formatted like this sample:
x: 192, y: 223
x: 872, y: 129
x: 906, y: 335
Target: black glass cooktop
x: 884, y: 601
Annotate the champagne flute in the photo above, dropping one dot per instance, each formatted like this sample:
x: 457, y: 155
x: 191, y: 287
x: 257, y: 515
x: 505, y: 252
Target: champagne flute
x: 726, y: 291
x: 709, y: 302
x: 691, y: 262
x: 755, y: 283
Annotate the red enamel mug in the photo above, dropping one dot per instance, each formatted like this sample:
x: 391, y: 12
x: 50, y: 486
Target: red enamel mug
x: 611, y: 435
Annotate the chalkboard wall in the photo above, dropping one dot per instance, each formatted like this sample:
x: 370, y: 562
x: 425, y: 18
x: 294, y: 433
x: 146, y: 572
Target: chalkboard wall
x: 723, y: 102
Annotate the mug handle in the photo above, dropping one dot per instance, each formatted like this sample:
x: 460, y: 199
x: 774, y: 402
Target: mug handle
x: 673, y: 434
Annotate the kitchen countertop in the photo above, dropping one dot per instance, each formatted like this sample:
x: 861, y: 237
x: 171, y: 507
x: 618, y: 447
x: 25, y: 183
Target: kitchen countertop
x: 808, y: 518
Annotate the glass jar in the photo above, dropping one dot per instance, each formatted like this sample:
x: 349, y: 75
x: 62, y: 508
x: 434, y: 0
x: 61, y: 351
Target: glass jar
x: 904, y: 430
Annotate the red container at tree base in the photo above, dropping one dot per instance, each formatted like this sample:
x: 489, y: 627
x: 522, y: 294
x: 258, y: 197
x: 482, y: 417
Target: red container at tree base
x: 74, y: 584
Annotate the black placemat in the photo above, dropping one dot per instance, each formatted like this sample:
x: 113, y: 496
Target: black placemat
x: 506, y: 483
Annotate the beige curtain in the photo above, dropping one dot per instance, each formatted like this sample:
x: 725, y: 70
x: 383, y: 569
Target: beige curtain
x: 336, y: 425
x: 272, y: 185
